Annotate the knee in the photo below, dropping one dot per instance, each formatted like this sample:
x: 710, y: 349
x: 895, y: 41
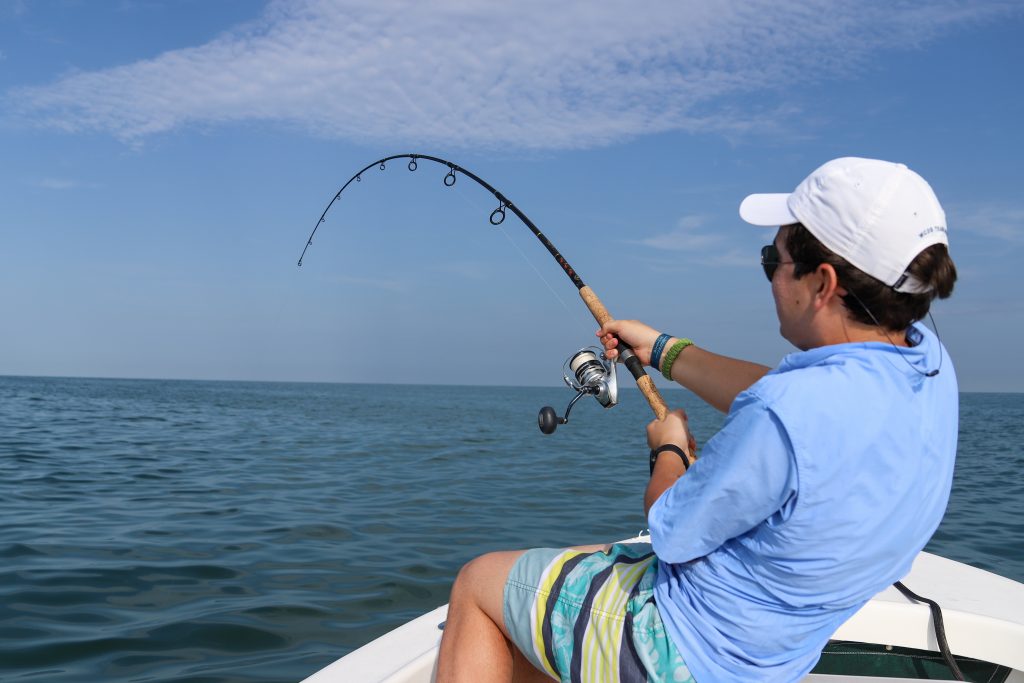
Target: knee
x: 468, y: 580
x: 482, y: 578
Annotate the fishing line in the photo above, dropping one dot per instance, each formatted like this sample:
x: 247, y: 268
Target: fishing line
x: 573, y: 312
x: 476, y: 205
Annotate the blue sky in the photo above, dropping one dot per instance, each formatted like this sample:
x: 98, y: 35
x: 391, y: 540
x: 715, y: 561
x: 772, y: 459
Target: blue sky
x: 163, y: 163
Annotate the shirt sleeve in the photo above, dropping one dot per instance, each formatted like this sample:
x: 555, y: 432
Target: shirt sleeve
x: 746, y: 474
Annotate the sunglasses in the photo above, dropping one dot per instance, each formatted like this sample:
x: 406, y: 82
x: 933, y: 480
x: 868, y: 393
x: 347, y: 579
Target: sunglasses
x: 770, y: 260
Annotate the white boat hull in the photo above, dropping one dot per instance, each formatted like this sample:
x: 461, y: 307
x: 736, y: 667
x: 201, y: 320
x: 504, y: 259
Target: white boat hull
x: 983, y: 615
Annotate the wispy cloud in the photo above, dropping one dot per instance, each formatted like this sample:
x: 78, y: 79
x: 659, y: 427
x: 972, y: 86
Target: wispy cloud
x: 373, y: 283
x: 686, y: 262
x: 528, y: 74
x: 469, y: 270
x: 737, y: 258
x: 14, y: 8
x: 695, y: 239
x: 997, y: 221
x: 63, y: 184
x: 690, y: 234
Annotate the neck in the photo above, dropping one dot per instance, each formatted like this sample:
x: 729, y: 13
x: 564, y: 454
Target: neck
x: 844, y: 330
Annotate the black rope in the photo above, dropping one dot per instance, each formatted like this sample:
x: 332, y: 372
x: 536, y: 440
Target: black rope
x: 929, y: 373
x: 940, y: 629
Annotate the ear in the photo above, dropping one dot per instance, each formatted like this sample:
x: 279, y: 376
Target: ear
x: 829, y: 290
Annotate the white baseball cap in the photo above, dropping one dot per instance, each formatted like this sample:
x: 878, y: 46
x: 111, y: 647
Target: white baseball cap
x: 875, y: 214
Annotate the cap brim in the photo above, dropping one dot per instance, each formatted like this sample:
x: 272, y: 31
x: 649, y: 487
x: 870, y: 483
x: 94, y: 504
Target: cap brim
x: 767, y: 210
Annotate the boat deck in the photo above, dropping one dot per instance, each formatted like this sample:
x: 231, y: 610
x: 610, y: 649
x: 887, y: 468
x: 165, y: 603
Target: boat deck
x: 983, y: 615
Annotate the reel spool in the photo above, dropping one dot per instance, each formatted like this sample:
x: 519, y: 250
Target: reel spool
x: 588, y: 372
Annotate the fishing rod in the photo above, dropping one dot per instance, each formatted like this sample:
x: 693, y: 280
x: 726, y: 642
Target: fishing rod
x: 587, y: 372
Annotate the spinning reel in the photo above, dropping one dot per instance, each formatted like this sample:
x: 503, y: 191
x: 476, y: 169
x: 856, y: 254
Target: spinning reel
x: 588, y: 372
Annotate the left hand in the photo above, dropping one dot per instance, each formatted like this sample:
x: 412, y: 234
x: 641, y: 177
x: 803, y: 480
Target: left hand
x: 674, y: 429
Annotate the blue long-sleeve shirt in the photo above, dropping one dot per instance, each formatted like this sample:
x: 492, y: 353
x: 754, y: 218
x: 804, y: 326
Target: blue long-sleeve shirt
x: 828, y: 477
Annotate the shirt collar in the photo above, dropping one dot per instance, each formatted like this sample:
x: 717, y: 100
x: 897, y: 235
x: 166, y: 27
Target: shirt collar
x: 923, y: 340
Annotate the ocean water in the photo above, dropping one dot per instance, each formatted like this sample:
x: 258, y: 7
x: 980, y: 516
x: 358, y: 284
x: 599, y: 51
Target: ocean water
x: 220, y: 531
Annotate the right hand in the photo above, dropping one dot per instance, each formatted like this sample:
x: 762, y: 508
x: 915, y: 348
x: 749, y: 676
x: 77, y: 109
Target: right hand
x: 633, y: 332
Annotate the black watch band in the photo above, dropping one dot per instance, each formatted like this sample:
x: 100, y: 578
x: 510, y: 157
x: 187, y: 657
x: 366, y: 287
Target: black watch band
x: 655, y: 452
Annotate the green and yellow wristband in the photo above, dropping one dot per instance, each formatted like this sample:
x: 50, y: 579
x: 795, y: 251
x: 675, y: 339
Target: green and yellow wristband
x: 671, y: 355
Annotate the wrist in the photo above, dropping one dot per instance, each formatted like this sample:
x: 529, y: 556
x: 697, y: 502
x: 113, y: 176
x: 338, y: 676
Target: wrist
x: 679, y: 454
x: 673, y: 348
x: 662, y: 342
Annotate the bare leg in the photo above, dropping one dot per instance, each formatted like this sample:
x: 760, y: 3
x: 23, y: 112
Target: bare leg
x: 475, y: 644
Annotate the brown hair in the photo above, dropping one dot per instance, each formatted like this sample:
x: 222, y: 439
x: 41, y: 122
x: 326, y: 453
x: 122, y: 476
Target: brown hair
x: 870, y: 300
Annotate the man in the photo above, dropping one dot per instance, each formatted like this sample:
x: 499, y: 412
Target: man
x: 829, y: 475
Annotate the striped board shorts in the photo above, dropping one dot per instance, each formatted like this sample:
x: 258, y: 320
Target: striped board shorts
x: 589, y: 617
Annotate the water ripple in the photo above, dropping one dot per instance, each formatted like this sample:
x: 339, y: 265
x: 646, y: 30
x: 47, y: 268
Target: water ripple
x: 218, y: 531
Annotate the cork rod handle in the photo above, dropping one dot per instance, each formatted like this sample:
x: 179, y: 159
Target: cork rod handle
x: 643, y: 380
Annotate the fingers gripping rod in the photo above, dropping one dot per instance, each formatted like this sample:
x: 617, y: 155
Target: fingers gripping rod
x: 629, y: 359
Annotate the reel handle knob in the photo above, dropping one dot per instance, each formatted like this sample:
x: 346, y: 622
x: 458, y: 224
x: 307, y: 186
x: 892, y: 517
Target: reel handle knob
x: 548, y: 420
